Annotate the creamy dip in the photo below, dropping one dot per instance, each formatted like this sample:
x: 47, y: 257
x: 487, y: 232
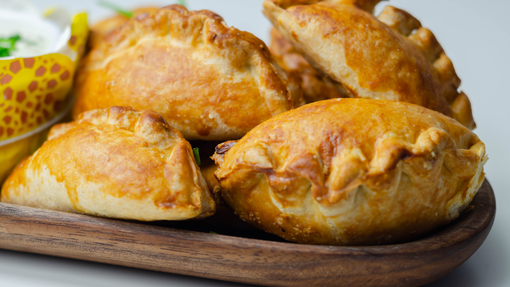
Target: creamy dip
x: 38, y: 36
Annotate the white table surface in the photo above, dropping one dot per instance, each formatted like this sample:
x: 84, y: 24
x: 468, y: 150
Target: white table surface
x: 475, y: 34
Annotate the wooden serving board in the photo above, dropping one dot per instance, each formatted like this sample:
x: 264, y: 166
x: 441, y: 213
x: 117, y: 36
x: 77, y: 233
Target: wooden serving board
x: 263, y: 261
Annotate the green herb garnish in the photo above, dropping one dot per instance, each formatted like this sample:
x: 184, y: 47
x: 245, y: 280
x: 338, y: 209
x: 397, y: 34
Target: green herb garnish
x: 119, y: 10
x: 4, y: 52
x: 7, y: 45
x: 212, y: 232
x: 181, y: 2
x: 197, y: 155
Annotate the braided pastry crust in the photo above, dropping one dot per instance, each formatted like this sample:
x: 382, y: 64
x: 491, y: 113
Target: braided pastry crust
x: 115, y: 162
x: 208, y: 80
x: 388, y: 57
x: 352, y: 172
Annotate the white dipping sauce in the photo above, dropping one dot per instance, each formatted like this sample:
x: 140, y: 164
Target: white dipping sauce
x: 38, y: 36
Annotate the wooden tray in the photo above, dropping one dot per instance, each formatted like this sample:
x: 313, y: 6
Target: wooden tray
x: 263, y: 261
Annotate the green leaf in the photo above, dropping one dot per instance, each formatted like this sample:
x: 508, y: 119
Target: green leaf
x: 212, y: 232
x: 7, y: 45
x: 196, y: 154
x: 182, y: 2
x: 4, y: 52
x: 119, y: 10
x: 14, y: 38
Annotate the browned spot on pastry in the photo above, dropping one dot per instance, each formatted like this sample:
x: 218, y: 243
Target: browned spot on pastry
x: 225, y: 147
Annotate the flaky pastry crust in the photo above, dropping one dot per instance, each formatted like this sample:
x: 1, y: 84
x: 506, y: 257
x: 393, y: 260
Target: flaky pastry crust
x: 117, y: 163
x: 209, y: 81
x: 352, y: 172
x: 100, y: 30
x: 212, y: 183
x: 390, y: 57
x: 315, y: 86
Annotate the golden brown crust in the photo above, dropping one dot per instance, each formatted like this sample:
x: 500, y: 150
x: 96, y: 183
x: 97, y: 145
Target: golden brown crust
x: 443, y: 69
x: 115, y: 162
x: 316, y: 87
x: 205, y: 78
x: 343, y: 41
x: 100, y: 30
x: 206, y: 150
x: 352, y: 172
x: 366, y: 5
x: 212, y: 182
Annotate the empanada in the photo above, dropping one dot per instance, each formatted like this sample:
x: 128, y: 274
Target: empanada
x: 390, y: 57
x: 352, y: 172
x: 209, y: 81
x: 115, y: 162
x: 315, y: 86
x: 101, y: 29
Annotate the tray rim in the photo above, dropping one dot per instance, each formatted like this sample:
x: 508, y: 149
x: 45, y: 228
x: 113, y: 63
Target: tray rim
x: 455, y: 239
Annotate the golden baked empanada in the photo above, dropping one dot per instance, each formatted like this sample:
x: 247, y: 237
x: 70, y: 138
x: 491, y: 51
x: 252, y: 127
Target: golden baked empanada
x: 101, y: 29
x: 115, y: 162
x: 209, y: 81
x: 390, y: 57
x: 352, y: 172
x: 315, y: 86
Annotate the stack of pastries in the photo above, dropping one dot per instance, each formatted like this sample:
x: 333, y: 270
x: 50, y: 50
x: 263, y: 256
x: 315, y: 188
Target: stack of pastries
x: 349, y: 130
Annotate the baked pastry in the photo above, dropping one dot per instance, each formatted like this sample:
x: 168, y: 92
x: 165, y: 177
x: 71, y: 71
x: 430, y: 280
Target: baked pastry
x: 212, y: 183
x: 101, y: 29
x: 115, y: 162
x: 315, y: 86
x: 207, y: 166
x: 209, y: 81
x: 352, y: 172
x: 391, y: 57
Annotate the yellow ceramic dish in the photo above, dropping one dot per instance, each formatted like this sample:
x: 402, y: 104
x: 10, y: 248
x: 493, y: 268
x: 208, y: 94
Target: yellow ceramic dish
x: 33, y: 89
x: 13, y: 150
x: 36, y: 79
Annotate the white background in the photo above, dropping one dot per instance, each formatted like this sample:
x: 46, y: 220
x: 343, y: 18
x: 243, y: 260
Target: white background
x: 476, y: 36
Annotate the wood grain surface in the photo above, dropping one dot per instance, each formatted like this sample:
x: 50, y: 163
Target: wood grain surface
x: 237, y: 258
